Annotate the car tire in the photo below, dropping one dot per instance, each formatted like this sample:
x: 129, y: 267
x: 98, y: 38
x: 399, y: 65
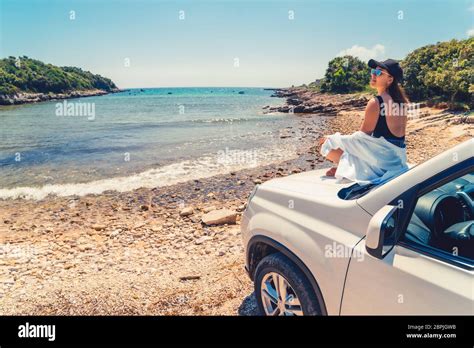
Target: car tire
x: 299, y: 287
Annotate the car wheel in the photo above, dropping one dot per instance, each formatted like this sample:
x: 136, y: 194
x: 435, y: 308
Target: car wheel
x: 282, y: 288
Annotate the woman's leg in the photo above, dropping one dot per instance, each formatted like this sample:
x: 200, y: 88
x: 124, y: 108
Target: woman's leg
x: 333, y: 156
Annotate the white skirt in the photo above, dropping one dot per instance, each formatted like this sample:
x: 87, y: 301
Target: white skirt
x: 366, y: 159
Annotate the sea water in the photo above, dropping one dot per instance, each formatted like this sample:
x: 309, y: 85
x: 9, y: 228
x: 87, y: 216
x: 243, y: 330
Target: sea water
x: 137, y: 138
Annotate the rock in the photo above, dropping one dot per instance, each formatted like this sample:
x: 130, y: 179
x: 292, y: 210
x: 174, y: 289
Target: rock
x: 201, y: 240
x: 144, y: 207
x: 156, y: 228
x: 283, y: 93
x: 115, y: 232
x: 186, y: 211
x: 294, y: 101
x: 84, y: 247
x: 299, y: 109
x: 190, y: 277
x: 257, y: 181
x: 7, y: 280
x: 219, y: 217
x: 208, y: 209
x: 242, y: 207
x: 99, y: 227
x: 194, y: 219
x: 139, y: 225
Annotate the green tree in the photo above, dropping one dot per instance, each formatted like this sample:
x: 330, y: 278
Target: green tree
x: 24, y: 74
x: 345, y: 75
x: 441, y: 72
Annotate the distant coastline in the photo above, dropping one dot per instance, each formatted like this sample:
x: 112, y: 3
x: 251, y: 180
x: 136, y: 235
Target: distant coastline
x: 26, y: 98
x: 26, y: 80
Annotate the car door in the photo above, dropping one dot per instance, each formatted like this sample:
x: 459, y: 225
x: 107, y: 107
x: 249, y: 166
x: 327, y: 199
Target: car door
x: 426, y: 271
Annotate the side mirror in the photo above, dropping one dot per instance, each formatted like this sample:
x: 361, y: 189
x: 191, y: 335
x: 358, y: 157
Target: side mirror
x: 381, y: 231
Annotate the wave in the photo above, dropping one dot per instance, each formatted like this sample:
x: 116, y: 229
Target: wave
x: 232, y: 119
x: 202, y: 167
x: 191, y: 122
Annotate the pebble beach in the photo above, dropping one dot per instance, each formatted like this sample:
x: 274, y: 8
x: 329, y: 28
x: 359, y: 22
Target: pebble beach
x: 173, y: 250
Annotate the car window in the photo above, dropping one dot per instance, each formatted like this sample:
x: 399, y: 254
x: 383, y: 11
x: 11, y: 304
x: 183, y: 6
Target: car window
x: 443, y: 219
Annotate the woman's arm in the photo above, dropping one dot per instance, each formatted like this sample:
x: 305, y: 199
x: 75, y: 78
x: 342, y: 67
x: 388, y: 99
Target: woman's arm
x: 371, y: 116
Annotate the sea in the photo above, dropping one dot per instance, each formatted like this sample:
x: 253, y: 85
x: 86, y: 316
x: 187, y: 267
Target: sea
x: 148, y: 137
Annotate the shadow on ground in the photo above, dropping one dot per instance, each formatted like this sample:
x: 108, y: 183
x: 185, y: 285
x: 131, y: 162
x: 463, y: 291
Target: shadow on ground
x: 248, y: 306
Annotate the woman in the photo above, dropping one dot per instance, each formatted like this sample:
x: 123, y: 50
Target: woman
x: 377, y: 151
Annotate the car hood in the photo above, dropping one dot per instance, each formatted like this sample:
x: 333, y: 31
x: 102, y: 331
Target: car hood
x: 313, y: 183
x: 314, y: 195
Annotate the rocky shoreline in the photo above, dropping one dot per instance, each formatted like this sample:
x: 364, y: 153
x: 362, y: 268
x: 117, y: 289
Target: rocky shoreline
x: 26, y: 98
x: 305, y: 101
x: 172, y: 250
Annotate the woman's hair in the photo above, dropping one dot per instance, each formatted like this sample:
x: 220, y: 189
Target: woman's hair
x: 397, y: 93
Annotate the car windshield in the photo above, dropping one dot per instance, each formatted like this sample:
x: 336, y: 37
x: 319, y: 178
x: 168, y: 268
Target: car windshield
x: 355, y: 191
x: 358, y: 190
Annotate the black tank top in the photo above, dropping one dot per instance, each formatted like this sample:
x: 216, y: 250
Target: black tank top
x: 381, y: 128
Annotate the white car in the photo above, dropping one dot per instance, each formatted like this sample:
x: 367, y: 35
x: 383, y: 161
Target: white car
x: 316, y: 246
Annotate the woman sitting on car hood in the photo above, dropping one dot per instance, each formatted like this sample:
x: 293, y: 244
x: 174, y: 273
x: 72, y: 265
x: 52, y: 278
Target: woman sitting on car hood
x: 376, y: 152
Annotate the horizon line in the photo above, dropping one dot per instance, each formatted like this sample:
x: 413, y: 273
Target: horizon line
x: 157, y: 87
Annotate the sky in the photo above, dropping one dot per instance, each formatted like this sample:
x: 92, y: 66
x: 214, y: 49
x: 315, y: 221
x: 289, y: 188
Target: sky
x: 264, y: 43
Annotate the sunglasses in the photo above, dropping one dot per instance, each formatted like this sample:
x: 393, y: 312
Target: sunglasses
x: 377, y: 72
